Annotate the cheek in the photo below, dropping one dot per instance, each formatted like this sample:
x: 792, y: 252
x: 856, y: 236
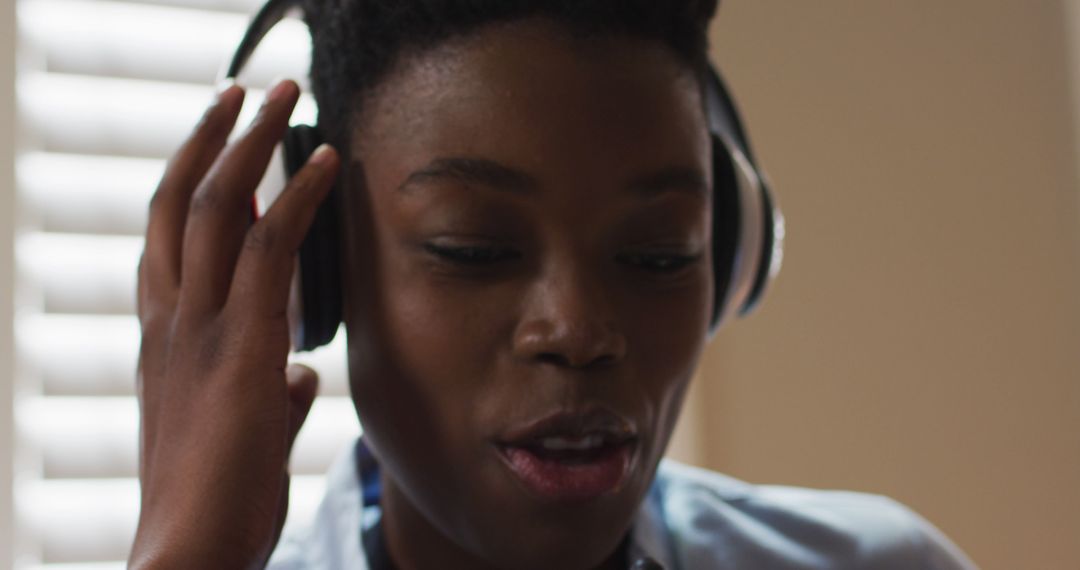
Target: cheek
x: 443, y: 341
x: 421, y: 352
x: 668, y: 334
x: 668, y: 327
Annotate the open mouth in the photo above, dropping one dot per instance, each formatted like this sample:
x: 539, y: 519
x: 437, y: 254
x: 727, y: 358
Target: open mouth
x: 570, y: 457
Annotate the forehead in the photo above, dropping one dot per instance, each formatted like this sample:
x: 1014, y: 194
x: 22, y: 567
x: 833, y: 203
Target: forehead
x: 532, y: 93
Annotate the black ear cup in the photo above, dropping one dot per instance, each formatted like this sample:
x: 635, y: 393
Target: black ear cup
x: 726, y: 228
x: 747, y: 225
x: 319, y: 273
x: 772, y: 250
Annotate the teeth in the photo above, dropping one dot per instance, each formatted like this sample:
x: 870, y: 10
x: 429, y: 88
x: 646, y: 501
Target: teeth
x: 564, y: 444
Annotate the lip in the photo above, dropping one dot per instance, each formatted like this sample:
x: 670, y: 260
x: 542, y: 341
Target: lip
x: 570, y: 424
x: 562, y: 480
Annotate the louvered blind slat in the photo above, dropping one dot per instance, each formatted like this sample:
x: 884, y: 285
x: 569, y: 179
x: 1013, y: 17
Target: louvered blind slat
x: 79, y: 355
x: 94, y: 520
x: 83, y: 114
x: 130, y: 40
x: 87, y: 438
x: 70, y: 193
x: 89, y: 355
x: 102, y: 267
x: 116, y: 565
x: 209, y: 6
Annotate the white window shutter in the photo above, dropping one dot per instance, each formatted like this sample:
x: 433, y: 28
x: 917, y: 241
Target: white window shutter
x: 7, y: 278
x: 108, y: 92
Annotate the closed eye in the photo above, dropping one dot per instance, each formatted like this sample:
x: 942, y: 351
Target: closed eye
x: 471, y: 255
x: 660, y: 263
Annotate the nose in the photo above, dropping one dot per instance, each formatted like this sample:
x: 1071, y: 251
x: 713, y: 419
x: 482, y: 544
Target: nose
x: 568, y: 321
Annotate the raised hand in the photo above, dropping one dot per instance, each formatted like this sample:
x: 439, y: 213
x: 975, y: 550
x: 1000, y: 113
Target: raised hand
x: 220, y: 405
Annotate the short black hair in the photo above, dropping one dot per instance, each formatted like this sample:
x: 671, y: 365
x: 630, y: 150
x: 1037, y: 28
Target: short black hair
x: 357, y: 42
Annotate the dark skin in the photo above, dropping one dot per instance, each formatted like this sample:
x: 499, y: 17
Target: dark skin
x: 528, y: 229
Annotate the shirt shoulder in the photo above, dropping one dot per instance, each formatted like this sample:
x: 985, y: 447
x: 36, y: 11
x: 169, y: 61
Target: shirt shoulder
x: 715, y: 521
x: 331, y: 540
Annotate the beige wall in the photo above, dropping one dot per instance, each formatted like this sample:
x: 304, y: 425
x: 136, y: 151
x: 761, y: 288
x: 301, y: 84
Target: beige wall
x: 924, y: 338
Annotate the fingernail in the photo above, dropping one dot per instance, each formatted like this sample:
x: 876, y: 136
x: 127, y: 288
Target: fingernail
x: 224, y: 85
x: 226, y: 91
x: 282, y: 90
x: 322, y: 155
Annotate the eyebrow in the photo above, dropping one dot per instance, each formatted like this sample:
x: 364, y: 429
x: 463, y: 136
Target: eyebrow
x: 676, y: 178
x: 489, y: 173
x: 472, y: 171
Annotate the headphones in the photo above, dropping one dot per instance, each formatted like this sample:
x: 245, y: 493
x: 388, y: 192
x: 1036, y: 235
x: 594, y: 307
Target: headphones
x: 748, y: 227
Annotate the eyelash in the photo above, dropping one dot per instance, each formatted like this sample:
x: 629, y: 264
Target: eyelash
x: 481, y: 256
x: 471, y: 256
x: 660, y: 263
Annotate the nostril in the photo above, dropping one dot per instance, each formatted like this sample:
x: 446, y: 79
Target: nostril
x: 580, y: 343
x: 603, y: 360
x: 553, y: 358
x: 559, y: 359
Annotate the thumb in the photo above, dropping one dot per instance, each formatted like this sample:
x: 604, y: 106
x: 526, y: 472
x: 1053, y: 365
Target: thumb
x: 302, y: 384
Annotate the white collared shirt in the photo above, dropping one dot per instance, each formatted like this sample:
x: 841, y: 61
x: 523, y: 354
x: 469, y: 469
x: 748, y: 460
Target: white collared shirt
x: 692, y: 519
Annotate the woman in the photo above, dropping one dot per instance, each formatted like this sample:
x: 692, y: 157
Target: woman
x: 526, y: 194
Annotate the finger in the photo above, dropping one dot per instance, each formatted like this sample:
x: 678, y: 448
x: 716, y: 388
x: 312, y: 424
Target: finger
x: 303, y: 385
x: 264, y: 270
x: 159, y: 268
x: 219, y: 214
x: 282, y: 514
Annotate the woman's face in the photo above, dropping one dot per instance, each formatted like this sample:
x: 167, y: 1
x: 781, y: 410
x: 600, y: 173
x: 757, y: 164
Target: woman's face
x: 528, y: 288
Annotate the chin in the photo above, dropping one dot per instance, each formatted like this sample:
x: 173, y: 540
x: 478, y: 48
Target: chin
x: 531, y: 533
x: 580, y: 552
